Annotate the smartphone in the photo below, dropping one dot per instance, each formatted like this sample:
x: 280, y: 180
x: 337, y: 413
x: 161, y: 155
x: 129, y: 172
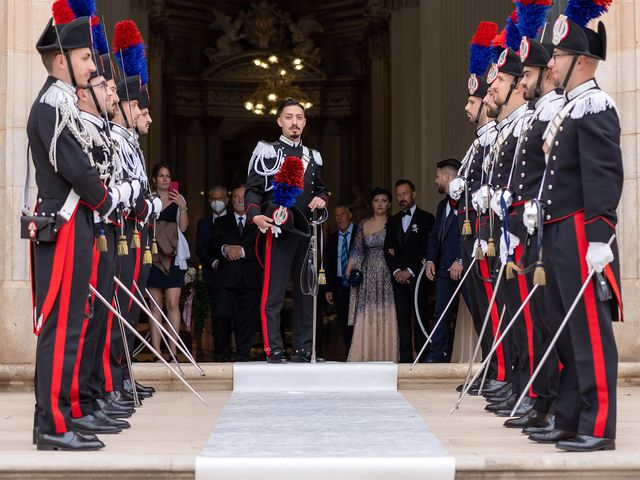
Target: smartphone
x: 173, y: 187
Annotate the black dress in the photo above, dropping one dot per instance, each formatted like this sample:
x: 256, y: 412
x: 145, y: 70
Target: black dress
x: 157, y: 278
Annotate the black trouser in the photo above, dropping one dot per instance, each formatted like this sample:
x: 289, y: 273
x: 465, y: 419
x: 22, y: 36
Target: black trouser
x: 410, y: 334
x: 440, y: 346
x: 586, y: 401
x: 287, y: 255
x: 479, y: 286
x: 90, y: 375
x: 62, y: 270
x: 341, y: 302
x: 239, y: 306
x: 221, y: 328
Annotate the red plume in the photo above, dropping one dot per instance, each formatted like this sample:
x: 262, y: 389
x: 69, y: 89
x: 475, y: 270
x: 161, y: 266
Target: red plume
x: 291, y: 172
x: 485, y: 33
x: 62, y: 12
x: 126, y: 34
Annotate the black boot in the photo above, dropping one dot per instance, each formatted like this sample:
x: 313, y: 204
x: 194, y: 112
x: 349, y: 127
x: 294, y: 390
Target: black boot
x: 92, y: 424
x: 586, y: 443
x: 544, y: 426
x: 508, y: 403
x: 68, y: 441
x: 530, y: 419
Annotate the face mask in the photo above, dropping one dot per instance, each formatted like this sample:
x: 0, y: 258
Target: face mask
x: 217, y: 206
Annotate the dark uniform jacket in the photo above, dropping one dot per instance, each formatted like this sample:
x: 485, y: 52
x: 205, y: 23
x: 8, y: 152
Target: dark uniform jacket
x: 267, y: 156
x: 505, y: 147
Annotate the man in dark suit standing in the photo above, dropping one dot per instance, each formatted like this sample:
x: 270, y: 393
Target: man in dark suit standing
x: 218, y: 200
x: 404, y: 249
x: 444, y: 261
x: 236, y: 280
x: 336, y: 260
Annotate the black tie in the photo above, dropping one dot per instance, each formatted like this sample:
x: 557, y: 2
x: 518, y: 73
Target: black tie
x: 241, y: 225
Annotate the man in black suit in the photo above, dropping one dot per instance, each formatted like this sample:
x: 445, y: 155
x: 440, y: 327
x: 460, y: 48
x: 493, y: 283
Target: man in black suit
x: 336, y: 259
x: 236, y: 280
x: 218, y: 200
x: 444, y: 261
x: 404, y: 250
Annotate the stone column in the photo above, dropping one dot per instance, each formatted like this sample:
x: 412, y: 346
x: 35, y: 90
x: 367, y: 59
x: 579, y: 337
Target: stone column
x: 618, y: 76
x: 21, y: 77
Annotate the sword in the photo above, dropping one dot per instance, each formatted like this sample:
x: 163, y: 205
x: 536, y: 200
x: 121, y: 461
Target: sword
x: 125, y: 343
x: 486, y: 362
x: 415, y: 300
x: 557, y: 335
x: 141, y: 338
x: 480, y: 335
x: 149, y: 314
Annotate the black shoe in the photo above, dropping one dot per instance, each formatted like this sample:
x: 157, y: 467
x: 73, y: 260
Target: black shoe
x: 552, y: 437
x: 120, y: 398
x: 522, y: 410
x: 507, y: 403
x: 277, y: 356
x: 113, y: 410
x: 543, y: 427
x: 530, y: 419
x: 106, y: 419
x: 146, y: 388
x: 503, y: 391
x: 586, y: 443
x: 91, y: 424
x: 473, y: 391
x: 143, y: 392
x: 492, y: 386
x: 68, y: 441
x: 301, y: 356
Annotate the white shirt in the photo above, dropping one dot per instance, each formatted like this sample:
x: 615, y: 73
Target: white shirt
x: 406, y: 219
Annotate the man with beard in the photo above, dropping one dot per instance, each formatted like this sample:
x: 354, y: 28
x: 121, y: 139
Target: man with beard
x: 579, y: 194
x: 444, y: 262
x: 545, y: 102
x: 404, y: 250
x: 290, y: 247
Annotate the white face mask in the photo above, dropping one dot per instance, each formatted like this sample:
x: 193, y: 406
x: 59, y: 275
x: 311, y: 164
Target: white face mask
x: 217, y: 206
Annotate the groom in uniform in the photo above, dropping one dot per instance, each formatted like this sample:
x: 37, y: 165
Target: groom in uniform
x: 289, y: 249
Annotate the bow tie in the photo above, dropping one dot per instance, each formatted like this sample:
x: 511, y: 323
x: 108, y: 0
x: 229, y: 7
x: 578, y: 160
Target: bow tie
x: 406, y: 213
x: 453, y: 203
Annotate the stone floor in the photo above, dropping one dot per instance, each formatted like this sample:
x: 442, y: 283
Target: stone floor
x: 170, y: 429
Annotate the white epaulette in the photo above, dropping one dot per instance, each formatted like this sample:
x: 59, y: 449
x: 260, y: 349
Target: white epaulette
x: 316, y: 156
x: 551, y: 109
x: 596, y: 102
x: 263, y: 150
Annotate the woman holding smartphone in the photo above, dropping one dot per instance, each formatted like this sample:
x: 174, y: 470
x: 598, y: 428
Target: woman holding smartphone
x: 166, y: 277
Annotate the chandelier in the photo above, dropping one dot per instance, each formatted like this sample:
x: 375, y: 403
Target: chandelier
x: 276, y: 85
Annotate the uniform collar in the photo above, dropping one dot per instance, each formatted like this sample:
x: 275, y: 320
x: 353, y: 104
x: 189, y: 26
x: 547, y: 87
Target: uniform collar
x: 583, y: 87
x: 546, y: 99
x: 517, y: 113
x: 485, y: 128
x: 90, y: 117
x: 289, y: 142
x: 116, y: 127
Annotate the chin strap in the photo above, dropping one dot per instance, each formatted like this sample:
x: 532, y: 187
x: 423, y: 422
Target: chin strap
x: 514, y: 84
x: 570, y: 72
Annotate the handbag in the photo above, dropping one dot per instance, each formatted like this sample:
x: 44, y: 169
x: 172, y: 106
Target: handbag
x: 44, y: 228
x: 356, y: 278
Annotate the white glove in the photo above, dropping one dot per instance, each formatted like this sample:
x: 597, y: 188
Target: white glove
x: 157, y: 205
x: 514, y: 241
x: 530, y: 217
x: 456, y: 187
x: 481, y: 199
x: 496, y: 203
x: 599, y: 255
x: 123, y: 192
x: 135, y: 190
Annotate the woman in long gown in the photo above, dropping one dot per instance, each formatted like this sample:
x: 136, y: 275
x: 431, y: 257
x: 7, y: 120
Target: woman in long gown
x: 371, y: 308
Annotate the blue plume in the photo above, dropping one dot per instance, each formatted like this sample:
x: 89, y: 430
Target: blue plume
x: 514, y: 37
x: 531, y: 17
x: 285, y: 194
x: 135, y: 62
x: 99, y: 39
x: 583, y: 11
x: 479, y: 59
x: 83, y: 8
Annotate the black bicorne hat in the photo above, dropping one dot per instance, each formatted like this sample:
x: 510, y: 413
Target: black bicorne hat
x: 533, y: 53
x: 69, y: 36
x: 129, y: 88
x: 477, y: 86
x: 104, y: 67
x: 570, y: 37
x: 597, y: 41
x: 144, y: 97
x: 295, y: 221
x: 508, y: 62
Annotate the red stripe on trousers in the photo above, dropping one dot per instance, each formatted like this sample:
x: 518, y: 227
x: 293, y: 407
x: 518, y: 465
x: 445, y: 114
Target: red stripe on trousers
x: 495, y: 319
x: 593, y: 323
x: 616, y: 290
x: 136, y: 274
x: 265, y: 292
x: 524, y: 293
x: 61, y: 328
x: 106, y: 352
x: 76, y: 411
